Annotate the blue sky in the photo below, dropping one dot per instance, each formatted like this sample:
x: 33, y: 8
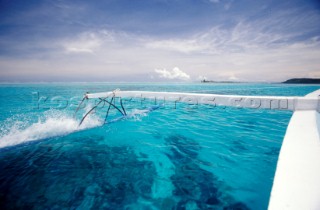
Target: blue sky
x: 158, y: 40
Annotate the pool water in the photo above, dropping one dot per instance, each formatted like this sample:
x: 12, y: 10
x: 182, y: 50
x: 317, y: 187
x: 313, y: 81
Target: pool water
x: 186, y: 156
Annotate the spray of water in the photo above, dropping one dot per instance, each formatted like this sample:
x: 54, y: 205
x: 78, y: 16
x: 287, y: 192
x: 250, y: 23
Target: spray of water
x: 51, y: 124
x: 17, y: 130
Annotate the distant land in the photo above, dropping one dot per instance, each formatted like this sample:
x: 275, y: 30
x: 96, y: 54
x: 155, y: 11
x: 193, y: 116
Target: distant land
x: 302, y: 81
x: 211, y: 81
x: 289, y: 81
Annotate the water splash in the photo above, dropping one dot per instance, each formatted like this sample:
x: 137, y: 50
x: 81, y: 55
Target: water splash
x: 22, y: 129
x: 51, y: 124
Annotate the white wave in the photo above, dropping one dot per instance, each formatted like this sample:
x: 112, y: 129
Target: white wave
x: 137, y: 114
x: 53, y: 124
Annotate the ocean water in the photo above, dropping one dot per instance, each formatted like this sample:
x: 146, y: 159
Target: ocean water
x: 178, y: 156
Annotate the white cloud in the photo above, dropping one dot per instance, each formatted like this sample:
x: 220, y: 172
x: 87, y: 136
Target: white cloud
x: 249, y: 51
x: 201, y: 78
x: 230, y: 76
x: 227, y: 6
x: 180, y: 45
x: 175, y: 73
x: 84, y: 43
x: 258, y: 50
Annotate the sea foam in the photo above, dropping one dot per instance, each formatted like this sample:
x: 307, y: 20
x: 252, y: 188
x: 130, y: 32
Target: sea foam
x: 51, y: 125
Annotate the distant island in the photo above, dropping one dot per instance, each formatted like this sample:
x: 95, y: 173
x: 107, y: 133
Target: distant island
x: 302, y: 81
x: 289, y: 81
x: 211, y: 81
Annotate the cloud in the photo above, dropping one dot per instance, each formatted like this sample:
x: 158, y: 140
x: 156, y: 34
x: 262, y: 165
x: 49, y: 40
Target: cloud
x: 84, y: 43
x: 175, y: 73
x: 227, y: 6
x: 257, y: 50
x: 201, y: 78
x: 214, y: 1
x: 267, y: 49
x: 180, y: 45
x: 282, y: 29
x: 243, y: 53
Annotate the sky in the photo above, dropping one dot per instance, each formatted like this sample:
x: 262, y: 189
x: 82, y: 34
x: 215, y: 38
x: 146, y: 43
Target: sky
x: 159, y: 40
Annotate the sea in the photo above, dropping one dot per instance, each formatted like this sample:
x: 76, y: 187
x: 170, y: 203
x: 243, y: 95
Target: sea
x: 162, y: 155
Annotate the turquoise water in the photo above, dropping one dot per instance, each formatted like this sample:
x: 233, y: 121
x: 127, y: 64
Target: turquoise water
x: 187, y: 157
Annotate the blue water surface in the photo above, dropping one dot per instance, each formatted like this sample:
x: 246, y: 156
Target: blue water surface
x: 179, y: 156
